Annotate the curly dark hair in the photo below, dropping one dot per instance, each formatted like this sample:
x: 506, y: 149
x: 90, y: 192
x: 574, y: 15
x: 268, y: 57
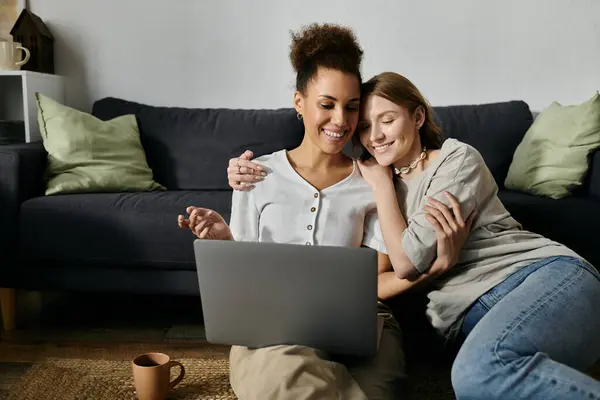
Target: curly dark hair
x: 324, y: 45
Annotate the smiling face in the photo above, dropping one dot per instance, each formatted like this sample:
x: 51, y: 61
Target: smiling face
x: 329, y: 107
x: 390, y: 132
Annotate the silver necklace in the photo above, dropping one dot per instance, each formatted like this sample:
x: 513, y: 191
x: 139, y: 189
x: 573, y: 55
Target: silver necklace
x: 412, y: 165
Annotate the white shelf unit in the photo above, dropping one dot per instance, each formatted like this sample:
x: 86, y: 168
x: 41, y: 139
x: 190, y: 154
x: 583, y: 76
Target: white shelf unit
x: 17, y: 97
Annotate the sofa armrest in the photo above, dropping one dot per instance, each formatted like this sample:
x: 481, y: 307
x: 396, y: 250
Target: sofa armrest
x: 594, y: 176
x: 22, y: 169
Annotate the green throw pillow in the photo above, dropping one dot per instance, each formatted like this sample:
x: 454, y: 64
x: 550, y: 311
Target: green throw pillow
x: 552, y: 158
x: 86, y: 154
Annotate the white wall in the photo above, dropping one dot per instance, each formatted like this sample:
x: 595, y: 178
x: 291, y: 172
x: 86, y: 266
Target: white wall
x: 226, y: 53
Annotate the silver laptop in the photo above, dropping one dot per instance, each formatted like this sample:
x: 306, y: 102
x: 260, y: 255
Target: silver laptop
x: 263, y: 294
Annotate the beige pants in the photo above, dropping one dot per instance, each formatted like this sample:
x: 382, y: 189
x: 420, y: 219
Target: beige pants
x: 303, y: 373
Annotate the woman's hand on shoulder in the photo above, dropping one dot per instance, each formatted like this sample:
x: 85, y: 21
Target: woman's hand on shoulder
x: 375, y: 174
x: 205, y: 224
x: 242, y: 172
x: 451, y: 229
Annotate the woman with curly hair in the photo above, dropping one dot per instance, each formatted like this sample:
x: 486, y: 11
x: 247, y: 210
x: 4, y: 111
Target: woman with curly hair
x: 317, y: 182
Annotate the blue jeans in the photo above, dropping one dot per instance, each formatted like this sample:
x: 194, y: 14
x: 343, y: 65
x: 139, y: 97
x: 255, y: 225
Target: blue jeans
x: 530, y: 336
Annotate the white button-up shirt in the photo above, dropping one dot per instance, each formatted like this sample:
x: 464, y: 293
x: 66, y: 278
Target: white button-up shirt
x: 285, y: 208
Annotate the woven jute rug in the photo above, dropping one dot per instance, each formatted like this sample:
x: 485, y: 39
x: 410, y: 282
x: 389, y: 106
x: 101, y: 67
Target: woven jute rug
x: 79, y: 379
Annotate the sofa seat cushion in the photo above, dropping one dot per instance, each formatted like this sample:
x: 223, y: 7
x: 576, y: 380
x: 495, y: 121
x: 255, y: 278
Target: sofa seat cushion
x: 572, y: 221
x: 120, y: 230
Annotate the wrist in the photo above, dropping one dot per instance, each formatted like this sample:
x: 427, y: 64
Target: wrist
x: 383, y: 185
x: 440, y: 266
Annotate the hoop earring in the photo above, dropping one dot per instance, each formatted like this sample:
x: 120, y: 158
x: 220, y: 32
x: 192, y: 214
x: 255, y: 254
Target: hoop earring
x: 299, y: 116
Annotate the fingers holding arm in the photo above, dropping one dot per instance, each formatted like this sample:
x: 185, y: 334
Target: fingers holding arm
x: 450, y: 217
x: 242, y: 172
x: 451, y: 232
x: 249, y: 167
x: 448, y: 248
x: 454, y: 204
x: 446, y: 251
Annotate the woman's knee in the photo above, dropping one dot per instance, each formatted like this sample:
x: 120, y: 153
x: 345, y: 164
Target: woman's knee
x: 282, y: 372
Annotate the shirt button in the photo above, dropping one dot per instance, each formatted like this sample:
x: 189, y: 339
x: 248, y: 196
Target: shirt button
x: 313, y: 209
x: 316, y: 195
x: 308, y: 243
x: 309, y: 227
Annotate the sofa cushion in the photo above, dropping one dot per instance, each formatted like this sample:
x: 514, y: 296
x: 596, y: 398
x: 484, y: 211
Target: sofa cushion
x: 571, y: 221
x: 88, y: 155
x: 553, y: 158
x: 495, y: 129
x: 119, y: 230
x: 189, y: 149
